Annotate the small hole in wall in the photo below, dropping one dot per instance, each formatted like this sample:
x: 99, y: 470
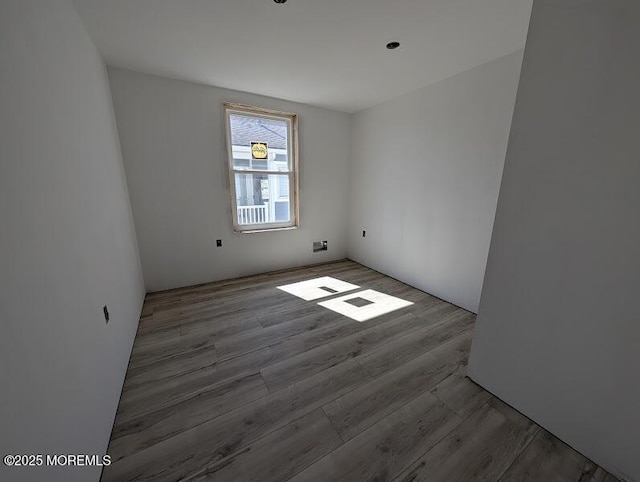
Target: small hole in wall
x: 105, y: 311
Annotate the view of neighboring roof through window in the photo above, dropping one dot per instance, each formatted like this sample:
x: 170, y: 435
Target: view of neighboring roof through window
x: 263, y: 165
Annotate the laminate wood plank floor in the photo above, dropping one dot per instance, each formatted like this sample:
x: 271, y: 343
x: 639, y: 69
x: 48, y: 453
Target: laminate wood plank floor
x: 240, y: 381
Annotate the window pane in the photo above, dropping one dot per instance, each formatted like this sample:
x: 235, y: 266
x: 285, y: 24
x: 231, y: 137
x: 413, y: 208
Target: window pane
x: 262, y: 198
x: 259, y: 143
x: 283, y: 187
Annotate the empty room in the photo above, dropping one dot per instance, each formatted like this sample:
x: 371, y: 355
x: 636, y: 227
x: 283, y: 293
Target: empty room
x: 339, y: 240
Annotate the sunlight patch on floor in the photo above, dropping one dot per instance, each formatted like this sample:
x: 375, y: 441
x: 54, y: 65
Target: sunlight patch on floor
x: 380, y: 304
x: 317, y: 288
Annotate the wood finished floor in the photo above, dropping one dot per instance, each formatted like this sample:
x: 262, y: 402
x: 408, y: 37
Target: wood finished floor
x: 239, y: 381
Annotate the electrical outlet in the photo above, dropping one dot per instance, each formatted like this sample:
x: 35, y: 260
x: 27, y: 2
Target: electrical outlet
x: 105, y: 310
x: 219, y: 243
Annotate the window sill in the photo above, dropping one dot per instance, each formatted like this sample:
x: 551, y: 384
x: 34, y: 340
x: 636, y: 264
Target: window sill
x: 267, y: 230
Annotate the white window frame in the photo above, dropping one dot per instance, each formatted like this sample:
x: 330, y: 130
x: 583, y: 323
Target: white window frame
x: 292, y: 150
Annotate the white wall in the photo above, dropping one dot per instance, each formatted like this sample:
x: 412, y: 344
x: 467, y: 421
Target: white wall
x: 173, y: 145
x: 67, y: 243
x: 558, y: 333
x: 425, y: 176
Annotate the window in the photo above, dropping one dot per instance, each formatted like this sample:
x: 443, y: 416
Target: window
x: 262, y: 146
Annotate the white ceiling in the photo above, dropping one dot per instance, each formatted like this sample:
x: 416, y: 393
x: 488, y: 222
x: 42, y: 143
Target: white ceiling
x: 329, y: 53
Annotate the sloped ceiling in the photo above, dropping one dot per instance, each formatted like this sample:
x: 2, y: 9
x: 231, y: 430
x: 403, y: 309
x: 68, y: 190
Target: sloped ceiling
x: 329, y: 53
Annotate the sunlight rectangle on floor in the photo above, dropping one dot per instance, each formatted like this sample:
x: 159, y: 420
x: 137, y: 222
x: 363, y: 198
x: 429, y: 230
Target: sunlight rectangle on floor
x: 380, y: 304
x: 317, y: 288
